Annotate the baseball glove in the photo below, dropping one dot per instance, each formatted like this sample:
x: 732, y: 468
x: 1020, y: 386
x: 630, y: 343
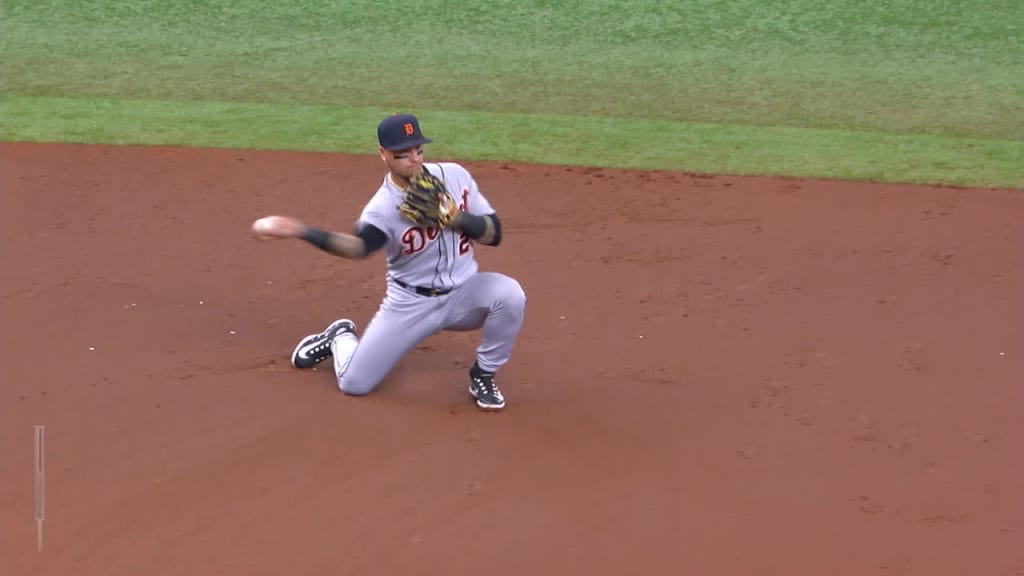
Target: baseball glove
x: 427, y: 202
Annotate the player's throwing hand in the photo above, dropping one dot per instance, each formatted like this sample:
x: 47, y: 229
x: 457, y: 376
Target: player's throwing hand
x: 274, y: 227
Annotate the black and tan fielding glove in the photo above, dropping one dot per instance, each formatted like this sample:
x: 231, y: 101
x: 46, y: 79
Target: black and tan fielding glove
x: 428, y: 203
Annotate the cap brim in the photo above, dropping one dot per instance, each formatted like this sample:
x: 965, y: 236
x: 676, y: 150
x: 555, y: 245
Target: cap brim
x: 412, y: 143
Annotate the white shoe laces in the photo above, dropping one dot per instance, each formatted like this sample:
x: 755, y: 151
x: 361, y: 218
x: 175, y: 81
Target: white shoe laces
x: 487, y: 386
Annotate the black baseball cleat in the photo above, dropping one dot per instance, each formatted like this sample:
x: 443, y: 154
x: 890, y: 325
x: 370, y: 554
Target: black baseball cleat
x: 316, y: 348
x: 483, y: 387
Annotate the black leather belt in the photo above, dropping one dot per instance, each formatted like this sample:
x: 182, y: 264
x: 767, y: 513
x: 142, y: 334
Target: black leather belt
x: 422, y: 291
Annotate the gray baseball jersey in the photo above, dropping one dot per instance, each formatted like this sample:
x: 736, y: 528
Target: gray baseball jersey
x: 425, y: 256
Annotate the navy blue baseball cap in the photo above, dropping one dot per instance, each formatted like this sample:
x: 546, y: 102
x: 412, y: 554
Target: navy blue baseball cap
x: 400, y: 131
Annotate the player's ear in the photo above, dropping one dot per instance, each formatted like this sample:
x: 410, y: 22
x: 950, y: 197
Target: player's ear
x: 380, y: 150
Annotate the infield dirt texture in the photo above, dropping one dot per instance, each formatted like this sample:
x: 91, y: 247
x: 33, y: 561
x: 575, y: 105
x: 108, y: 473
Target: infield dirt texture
x: 731, y: 376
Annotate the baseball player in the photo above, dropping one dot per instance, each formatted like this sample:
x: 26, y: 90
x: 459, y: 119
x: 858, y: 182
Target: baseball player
x: 427, y: 217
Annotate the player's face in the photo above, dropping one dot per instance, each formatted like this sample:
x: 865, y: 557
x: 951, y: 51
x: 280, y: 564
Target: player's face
x: 404, y: 163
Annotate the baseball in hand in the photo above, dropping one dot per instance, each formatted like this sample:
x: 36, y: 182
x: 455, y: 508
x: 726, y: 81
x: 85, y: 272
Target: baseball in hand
x: 263, y: 226
x: 275, y: 227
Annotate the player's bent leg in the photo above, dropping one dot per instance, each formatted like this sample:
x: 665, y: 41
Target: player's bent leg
x: 360, y: 366
x: 496, y: 303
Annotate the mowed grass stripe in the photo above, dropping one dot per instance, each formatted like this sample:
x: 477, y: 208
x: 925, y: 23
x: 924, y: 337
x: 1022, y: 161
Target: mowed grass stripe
x: 533, y: 138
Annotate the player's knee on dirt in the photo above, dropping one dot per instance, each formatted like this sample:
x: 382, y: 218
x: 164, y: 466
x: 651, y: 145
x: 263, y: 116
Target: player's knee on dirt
x: 354, y: 387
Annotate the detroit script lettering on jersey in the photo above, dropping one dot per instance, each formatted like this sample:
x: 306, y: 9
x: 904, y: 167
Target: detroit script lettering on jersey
x: 424, y: 255
x: 416, y: 238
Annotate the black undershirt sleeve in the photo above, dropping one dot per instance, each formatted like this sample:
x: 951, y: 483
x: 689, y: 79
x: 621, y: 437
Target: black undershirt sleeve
x: 374, y: 238
x: 475, y: 226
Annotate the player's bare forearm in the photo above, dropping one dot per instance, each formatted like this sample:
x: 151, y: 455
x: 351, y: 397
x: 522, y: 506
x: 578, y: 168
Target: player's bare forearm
x: 483, y: 229
x: 337, y: 243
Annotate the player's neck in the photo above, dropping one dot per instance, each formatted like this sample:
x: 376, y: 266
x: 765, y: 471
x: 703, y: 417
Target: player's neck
x: 401, y: 183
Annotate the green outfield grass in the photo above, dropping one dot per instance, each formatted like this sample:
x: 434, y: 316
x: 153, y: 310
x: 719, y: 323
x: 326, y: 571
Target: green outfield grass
x: 915, y: 91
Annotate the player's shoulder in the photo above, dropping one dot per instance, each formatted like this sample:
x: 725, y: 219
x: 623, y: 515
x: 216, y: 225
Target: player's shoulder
x: 447, y: 170
x: 383, y: 196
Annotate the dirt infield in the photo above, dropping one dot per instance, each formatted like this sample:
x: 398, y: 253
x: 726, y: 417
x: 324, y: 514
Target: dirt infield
x: 717, y: 376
